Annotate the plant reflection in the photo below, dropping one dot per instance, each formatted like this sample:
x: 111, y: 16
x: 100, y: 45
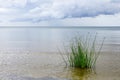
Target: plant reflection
x: 80, y: 74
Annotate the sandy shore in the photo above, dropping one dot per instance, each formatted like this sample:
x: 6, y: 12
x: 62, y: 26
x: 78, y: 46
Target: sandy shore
x: 50, y: 65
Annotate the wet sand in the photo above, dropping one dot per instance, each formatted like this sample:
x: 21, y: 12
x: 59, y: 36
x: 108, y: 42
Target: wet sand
x: 37, y: 66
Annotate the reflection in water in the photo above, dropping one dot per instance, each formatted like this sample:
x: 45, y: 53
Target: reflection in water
x: 80, y: 74
x: 75, y: 73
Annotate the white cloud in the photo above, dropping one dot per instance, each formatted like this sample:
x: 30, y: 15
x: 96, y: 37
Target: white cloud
x: 42, y: 10
x: 116, y: 1
x: 3, y: 10
x: 58, y: 9
x: 10, y: 3
x: 101, y: 20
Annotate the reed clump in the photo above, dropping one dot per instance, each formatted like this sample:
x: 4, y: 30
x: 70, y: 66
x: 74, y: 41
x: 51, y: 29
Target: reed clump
x: 82, y: 52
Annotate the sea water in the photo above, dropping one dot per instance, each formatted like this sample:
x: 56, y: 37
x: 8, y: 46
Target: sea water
x: 32, y: 53
x: 36, y: 39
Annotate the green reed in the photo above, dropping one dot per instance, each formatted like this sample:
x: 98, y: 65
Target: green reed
x: 82, y: 52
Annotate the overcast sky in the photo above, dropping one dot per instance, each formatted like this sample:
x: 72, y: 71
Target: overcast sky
x: 60, y: 12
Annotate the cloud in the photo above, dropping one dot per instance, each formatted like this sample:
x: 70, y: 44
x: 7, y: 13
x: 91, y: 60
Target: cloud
x: 101, y: 20
x: 39, y: 10
x: 116, y: 1
x: 11, y: 3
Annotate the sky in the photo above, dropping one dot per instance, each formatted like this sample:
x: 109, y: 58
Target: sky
x: 59, y: 12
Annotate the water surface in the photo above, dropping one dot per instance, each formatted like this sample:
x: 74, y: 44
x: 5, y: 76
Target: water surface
x: 33, y: 52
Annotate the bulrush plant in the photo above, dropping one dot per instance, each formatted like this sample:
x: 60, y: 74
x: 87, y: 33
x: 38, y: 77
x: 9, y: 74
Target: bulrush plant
x: 82, y: 52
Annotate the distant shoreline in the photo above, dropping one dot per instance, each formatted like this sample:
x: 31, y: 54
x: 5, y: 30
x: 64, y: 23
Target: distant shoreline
x: 67, y: 27
x: 59, y: 26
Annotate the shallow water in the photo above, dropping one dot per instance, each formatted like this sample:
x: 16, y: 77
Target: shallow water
x: 32, y: 54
